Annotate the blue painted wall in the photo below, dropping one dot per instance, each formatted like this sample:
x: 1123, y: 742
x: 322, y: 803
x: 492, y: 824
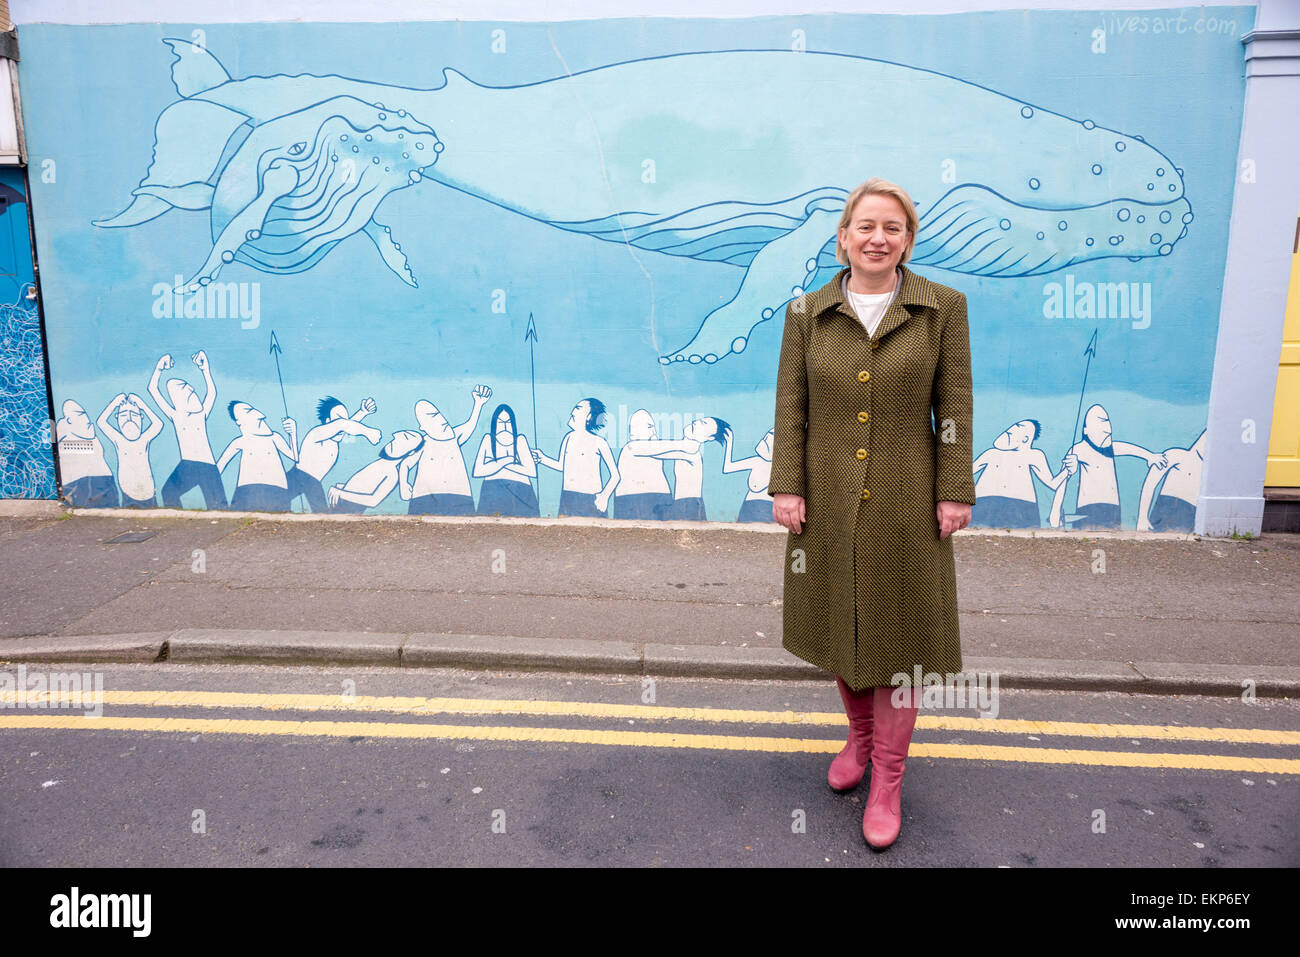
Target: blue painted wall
x: 393, y: 202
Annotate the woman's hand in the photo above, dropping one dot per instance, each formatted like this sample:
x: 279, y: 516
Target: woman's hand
x: 952, y: 516
x: 789, y: 511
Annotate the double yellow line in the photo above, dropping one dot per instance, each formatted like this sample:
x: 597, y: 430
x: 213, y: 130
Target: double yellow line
x: 418, y: 706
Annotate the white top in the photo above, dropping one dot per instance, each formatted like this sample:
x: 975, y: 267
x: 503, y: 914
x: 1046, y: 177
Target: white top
x: 870, y: 308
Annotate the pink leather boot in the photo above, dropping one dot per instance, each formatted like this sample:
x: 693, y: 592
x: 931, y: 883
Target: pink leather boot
x: 851, y: 764
x: 883, y: 818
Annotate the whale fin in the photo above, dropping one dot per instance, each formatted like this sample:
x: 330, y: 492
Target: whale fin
x: 765, y: 288
x: 392, y: 253
x: 142, y: 209
x: 189, y: 196
x: 278, y: 180
x: 195, y: 70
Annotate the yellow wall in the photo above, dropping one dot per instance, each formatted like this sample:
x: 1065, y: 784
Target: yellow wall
x: 1284, y: 440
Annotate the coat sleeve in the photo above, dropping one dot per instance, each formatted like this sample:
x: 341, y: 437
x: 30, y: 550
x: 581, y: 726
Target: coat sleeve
x: 790, y: 427
x: 953, y: 405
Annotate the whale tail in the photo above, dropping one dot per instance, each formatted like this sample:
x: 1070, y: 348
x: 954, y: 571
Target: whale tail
x: 195, y: 70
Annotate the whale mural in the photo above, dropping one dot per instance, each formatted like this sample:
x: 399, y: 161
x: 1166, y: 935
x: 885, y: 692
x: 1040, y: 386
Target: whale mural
x: 291, y: 166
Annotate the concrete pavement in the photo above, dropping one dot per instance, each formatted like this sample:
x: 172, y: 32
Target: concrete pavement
x: 1150, y: 613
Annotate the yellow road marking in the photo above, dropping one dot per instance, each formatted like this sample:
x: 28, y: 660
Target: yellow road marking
x: 645, y: 739
x: 594, y: 709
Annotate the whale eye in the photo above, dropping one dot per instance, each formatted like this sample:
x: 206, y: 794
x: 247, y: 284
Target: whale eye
x: 297, y: 149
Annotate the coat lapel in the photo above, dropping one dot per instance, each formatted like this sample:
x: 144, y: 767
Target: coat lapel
x: 914, y: 292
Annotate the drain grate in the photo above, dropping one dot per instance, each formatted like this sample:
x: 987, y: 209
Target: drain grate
x: 129, y: 537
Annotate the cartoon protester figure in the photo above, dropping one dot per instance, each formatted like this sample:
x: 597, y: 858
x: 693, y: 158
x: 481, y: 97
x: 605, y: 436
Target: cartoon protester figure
x: 757, y: 506
x: 1004, y: 478
x: 581, y: 452
x: 372, y: 483
x: 643, y: 491
x: 1098, y: 492
x: 189, y: 417
x: 688, y: 470
x: 1176, y: 487
x: 87, y: 479
x: 441, y: 485
x: 263, y: 484
x: 131, y: 439
x: 320, y: 448
x: 505, y: 464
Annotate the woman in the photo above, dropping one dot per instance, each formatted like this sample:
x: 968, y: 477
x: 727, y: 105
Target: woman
x: 869, y: 492
x: 505, y: 463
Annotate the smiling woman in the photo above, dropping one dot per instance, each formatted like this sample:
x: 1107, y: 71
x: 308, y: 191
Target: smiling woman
x: 870, y: 494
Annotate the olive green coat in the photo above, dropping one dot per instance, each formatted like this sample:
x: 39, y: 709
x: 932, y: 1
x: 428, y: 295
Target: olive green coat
x: 870, y: 588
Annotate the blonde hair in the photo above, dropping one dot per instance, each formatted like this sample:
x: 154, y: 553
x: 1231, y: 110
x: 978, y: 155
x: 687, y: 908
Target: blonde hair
x: 879, y: 187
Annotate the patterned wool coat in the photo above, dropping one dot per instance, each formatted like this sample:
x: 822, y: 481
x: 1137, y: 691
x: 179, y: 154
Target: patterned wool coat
x: 870, y: 588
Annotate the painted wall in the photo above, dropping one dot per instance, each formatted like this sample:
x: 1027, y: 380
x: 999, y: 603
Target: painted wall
x: 385, y: 232
x: 26, y: 457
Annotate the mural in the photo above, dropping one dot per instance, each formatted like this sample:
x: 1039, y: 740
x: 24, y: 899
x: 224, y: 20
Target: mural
x: 651, y: 204
x: 26, y: 461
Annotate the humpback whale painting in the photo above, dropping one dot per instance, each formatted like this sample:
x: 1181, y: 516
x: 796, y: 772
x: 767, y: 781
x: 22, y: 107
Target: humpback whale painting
x: 289, y: 167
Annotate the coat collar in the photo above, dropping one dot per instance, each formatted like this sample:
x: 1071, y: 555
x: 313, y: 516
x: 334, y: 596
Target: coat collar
x: 913, y: 290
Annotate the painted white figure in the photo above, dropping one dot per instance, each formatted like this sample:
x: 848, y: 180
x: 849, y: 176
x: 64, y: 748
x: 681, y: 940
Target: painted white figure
x: 643, y: 490
x: 582, y: 451
x: 441, y: 484
x: 505, y: 464
x: 263, y: 484
x: 1004, y: 478
x: 131, y: 439
x: 1098, y: 493
x: 189, y: 417
x: 688, y: 469
x: 1175, y: 487
x: 757, y: 506
x: 320, y: 447
x: 372, y: 483
x: 87, y: 479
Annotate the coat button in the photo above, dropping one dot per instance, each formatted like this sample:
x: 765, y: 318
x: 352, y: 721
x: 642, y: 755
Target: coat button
x: 863, y: 416
x: 875, y: 345
x: 862, y: 454
x: 865, y: 495
x: 864, y: 375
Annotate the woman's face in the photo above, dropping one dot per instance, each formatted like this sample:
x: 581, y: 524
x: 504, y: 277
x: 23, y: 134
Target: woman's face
x: 876, y: 237
x: 503, y: 425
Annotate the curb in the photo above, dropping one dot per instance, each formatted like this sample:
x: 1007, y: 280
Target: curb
x: 215, y: 646
x: 16, y: 508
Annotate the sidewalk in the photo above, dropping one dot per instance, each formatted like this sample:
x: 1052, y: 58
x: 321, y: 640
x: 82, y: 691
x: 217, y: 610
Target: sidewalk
x: 1168, y: 614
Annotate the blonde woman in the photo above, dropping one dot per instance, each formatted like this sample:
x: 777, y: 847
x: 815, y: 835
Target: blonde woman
x: 868, y: 490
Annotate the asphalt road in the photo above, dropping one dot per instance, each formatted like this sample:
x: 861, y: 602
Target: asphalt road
x: 340, y: 767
